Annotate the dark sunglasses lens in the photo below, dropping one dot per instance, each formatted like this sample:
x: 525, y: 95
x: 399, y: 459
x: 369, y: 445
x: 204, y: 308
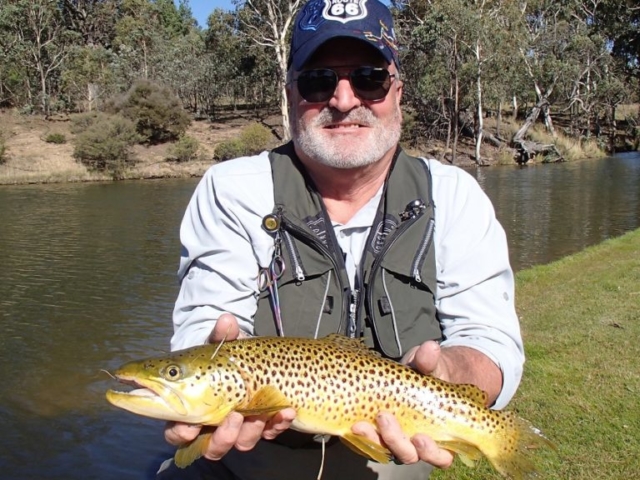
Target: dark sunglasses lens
x: 317, y: 85
x: 371, y: 83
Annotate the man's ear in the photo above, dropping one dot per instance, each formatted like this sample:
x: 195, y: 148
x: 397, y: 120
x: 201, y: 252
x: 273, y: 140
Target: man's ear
x: 399, y: 91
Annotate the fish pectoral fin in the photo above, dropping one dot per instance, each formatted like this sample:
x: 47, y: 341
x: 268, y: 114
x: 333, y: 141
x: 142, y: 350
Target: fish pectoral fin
x: 365, y: 447
x: 267, y: 400
x: 469, y: 454
x: 190, y: 452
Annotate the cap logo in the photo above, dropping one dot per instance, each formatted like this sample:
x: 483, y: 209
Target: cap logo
x: 344, y: 10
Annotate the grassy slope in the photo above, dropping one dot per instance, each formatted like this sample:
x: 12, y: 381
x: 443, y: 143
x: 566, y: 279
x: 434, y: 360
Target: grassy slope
x: 581, y: 323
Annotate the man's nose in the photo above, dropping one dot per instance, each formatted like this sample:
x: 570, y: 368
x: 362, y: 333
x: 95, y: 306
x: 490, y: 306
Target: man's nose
x: 344, y: 98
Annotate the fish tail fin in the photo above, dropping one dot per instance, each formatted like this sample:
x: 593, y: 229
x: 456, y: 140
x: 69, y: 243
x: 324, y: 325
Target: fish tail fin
x: 510, y: 455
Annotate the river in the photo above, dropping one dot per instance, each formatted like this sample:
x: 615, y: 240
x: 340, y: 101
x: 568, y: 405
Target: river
x: 88, y: 282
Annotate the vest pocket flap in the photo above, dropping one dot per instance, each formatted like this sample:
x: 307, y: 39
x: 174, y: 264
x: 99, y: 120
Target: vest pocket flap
x: 299, y: 256
x: 407, y: 259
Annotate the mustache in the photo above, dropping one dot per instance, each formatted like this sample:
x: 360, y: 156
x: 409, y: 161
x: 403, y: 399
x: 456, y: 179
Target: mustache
x: 360, y: 115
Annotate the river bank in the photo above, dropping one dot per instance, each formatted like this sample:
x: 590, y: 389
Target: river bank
x: 31, y: 159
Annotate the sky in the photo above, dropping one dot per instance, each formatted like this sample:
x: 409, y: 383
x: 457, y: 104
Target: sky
x: 202, y: 8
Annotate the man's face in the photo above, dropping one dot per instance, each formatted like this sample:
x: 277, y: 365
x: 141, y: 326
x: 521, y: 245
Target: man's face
x: 346, y: 131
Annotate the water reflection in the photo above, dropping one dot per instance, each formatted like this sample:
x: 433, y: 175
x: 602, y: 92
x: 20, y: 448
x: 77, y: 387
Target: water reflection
x: 88, y: 282
x: 550, y: 211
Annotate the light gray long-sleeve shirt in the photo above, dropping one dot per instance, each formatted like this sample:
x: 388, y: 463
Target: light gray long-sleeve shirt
x: 224, y: 246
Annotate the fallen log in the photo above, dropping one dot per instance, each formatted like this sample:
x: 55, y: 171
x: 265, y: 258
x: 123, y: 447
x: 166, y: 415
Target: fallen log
x: 527, y: 150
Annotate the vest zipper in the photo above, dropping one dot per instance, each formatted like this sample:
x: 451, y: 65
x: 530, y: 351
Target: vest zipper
x: 294, y: 257
x: 416, y: 265
x: 353, y: 314
x: 378, y: 260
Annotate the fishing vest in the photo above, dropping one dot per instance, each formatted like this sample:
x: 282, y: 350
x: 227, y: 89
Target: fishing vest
x: 393, y: 304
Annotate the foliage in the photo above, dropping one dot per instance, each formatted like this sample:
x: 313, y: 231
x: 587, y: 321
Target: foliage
x: 156, y: 112
x: 185, y: 149
x: 252, y: 140
x: 57, y: 138
x: 105, y: 145
x: 81, y: 123
x: 457, y: 57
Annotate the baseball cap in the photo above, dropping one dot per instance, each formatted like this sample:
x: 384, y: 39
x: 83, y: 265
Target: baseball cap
x: 321, y: 20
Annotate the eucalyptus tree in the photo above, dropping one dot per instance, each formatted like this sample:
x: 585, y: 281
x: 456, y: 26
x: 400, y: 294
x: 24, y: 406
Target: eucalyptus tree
x: 267, y: 23
x: 138, y: 33
x: 619, y: 21
x: 546, y: 55
x: 434, y: 65
x: 452, y: 46
x: 39, y: 41
x: 93, y: 20
x: 224, y: 51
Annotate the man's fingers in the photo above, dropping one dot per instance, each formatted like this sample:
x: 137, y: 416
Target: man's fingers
x: 429, y: 451
x: 395, y: 439
x: 226, y: 328
x: 180, y: 433
x: 277, y: 424
x: 225, y: 436
x: 251, y: 432
x: 424, y: 358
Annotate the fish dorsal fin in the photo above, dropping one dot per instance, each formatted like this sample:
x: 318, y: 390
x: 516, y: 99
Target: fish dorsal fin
x: 189, y: 453
x: 365, y: 447
x: 474, y: 393
x: 267, y: 400
x: 354, y: 344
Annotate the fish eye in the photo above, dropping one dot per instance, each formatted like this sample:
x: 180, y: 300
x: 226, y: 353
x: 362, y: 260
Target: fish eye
x: 172, y: 372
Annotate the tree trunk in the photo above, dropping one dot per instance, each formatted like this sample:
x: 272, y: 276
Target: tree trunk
x: 531, y: 119
x: 479, y: 113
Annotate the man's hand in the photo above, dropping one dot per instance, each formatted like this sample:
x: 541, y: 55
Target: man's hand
x: 426, y: 359
x: 237, y: 431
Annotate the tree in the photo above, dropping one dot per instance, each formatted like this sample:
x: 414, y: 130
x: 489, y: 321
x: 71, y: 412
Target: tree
x: 37, y: 32
x: 267, y: 23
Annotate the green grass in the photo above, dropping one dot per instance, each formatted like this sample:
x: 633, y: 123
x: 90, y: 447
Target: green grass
x: 580, y: 320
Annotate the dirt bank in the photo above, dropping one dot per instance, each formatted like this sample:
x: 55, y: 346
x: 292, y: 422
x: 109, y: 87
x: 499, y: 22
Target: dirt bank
x: 30, y: 159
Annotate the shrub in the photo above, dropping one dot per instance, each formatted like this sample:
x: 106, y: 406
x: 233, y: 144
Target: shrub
x: 84, y: 121
x: 106, y: 145
x: 57, y: 138
x: 185, y: 149
x: 156, y: 112
x: 253, y: 139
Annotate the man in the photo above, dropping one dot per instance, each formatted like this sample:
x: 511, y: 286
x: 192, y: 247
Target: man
x: 340, y: 230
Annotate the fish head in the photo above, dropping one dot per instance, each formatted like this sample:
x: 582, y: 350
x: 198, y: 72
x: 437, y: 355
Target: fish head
x: 195, y: 385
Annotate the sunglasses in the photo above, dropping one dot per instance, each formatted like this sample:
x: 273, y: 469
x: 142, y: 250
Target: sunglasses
x: 368, y: 83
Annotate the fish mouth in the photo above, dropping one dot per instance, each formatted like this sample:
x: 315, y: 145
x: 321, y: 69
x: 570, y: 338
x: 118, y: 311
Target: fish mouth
x: 149, y: 398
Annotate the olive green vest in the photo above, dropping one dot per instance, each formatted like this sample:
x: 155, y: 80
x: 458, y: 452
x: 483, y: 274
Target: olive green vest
x: 392, y: 306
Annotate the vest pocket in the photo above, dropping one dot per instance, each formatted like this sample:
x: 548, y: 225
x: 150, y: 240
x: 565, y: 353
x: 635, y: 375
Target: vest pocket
x: 402, y: 312
x: 310, y: 309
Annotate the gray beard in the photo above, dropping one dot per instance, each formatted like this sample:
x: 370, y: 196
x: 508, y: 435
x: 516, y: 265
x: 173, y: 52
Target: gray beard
x: 383, y: 137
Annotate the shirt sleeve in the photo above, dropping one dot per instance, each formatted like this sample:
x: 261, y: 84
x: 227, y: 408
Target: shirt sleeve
x: 475, y: 294
x: 222, y: 245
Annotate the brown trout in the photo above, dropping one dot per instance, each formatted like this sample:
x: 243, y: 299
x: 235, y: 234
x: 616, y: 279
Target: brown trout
x: 332, y: 383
